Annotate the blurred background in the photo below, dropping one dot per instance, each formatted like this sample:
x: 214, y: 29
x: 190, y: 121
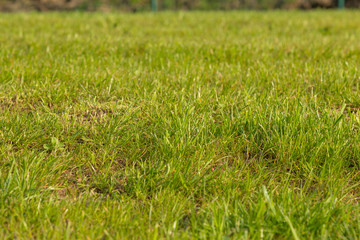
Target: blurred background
x: 148, y: 5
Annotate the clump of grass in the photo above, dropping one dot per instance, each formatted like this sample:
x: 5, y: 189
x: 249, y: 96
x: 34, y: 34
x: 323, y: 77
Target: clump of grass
x: 180, y: 125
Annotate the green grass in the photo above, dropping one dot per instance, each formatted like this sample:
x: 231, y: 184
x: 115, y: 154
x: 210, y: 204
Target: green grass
x: 238, y: 125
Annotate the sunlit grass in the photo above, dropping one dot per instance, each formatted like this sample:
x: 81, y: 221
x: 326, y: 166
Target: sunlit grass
x: 180, y: 125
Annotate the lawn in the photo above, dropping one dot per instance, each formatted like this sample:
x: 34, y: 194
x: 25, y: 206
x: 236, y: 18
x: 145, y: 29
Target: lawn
x: 183, y: 125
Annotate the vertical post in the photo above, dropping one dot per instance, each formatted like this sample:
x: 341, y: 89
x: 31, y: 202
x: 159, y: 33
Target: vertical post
x: 154, y: 5
x: 341, y: 4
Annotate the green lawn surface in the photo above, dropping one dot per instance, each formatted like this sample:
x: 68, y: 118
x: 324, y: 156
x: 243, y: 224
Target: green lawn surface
x: 180, y: 125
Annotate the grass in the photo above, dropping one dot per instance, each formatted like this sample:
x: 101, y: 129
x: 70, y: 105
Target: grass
x: 237, y: 125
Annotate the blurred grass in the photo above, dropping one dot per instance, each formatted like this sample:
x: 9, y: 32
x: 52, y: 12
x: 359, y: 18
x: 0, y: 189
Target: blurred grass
x: 145, y: 5
x: 180, y: 125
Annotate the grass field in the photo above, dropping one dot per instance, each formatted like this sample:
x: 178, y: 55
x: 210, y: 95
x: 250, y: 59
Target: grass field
x: 238, y: 125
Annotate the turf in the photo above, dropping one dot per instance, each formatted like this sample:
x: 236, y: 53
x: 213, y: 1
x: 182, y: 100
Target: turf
x: 216, y: 125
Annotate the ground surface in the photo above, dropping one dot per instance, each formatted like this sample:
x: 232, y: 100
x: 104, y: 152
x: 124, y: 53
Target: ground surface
x: 180, y: 125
